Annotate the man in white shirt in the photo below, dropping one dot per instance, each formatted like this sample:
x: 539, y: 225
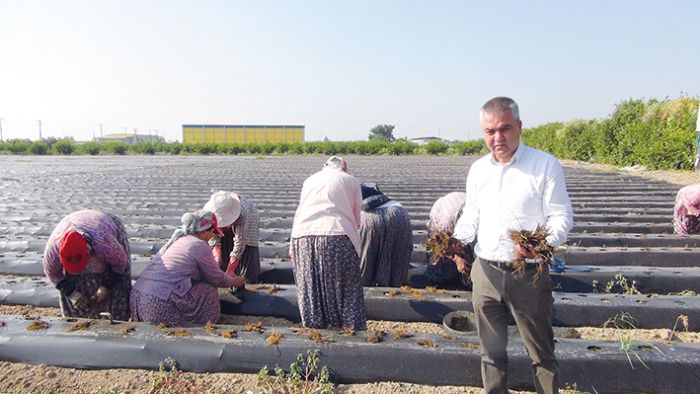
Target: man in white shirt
x: 514, y: 187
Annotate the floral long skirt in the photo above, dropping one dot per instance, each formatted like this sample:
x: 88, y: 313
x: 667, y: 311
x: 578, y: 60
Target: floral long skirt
x: 329, y: 287
x: 117, y: 302
x: 199, y: 305
x: 387, y: 245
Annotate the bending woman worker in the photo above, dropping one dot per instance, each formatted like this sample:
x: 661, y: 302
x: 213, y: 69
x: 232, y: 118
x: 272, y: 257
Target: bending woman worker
x: 180, y: 284
x: 386, y: 240
x: 88, y: 259
x: 325, y: 249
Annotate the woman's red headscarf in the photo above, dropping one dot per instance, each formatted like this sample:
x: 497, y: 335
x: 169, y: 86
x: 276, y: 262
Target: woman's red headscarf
x: 73, y: 252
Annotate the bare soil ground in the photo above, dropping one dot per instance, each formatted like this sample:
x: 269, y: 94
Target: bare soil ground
x: 682, y: 178
x: 24, y: 378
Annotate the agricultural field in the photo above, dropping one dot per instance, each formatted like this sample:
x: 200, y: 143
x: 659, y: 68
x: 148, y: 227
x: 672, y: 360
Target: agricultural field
x: 626, y: 312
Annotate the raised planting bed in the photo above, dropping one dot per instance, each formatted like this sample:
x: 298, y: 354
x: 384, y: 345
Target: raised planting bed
x: 442, y: 360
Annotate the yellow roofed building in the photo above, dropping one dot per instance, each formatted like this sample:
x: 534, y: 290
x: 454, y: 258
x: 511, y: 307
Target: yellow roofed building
x: 241, y: 134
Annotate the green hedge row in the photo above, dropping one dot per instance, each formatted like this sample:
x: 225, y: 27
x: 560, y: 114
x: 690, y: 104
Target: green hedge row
x: 397, y: 147
x: 659, y: 134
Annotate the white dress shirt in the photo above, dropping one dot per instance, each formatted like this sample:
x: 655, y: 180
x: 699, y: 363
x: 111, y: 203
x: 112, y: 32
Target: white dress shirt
x: 527, y: 191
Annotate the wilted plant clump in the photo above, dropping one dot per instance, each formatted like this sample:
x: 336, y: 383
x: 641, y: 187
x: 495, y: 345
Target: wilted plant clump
x: 274, y: 338
x: 178, y: 332
x: 127, y: 329
x: 376, y: 337
x: 442, y: 245
x: 81, y: 325
x: 347, y: 331
x: 211, y: 327
x: 535, y: 242
x: 254, y: 327
x: 399, y: 334
x: 426, y: 343
x: 37, y: 325
x: 317, y: 336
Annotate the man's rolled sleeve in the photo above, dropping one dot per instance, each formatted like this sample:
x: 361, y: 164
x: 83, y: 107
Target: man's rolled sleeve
x: 557, y: 206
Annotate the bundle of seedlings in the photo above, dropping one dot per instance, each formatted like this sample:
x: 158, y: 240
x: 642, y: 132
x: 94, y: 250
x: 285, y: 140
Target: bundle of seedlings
x: 535, y: 242
x: 442, y: 245
x: 81, y: 325
x: 274, y: 338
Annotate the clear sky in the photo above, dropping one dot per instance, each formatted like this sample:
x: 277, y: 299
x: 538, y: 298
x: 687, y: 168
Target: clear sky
x: 337, y: 67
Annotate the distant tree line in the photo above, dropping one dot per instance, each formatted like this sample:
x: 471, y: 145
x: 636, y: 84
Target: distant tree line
x: 659, y: 134
x: 373, y: 147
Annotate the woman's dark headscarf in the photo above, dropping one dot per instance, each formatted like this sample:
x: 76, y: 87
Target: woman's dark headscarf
x: 372, y: 198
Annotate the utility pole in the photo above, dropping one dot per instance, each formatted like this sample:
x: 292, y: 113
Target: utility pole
x: 0, y: 129
x: 101, y: 135
x: 39, y: 122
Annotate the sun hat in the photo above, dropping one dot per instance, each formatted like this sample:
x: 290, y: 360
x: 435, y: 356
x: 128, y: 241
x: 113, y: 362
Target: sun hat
x: 226, y: 206
x: 73, y: 252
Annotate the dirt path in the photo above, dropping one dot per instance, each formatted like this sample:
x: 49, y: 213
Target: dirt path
x: 681, y: 178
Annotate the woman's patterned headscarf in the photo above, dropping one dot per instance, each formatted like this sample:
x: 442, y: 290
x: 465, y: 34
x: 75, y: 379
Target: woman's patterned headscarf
x: 192, y: 223
x: 337, y: 163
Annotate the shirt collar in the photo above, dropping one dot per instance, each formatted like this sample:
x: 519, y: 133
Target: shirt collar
x: 514, y: 159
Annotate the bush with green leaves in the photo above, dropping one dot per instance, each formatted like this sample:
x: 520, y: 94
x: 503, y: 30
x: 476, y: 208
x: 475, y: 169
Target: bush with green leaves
x: 296, y: 148
x: 400, y: 147
x: 267, y: 148
x: 143, y: 148
x: 206, y: 148
x: 114, y: 147
x: 39, y: 148
x: 477, y: 147
x: 436, y: 147
x: 234, y: 149
x: 89, y: 148
x: 16, y: 146
x: 281, y: 148
x: 173, y: 148
x: 659, y: 134
x: 303, y: 377
x: 64, y: 147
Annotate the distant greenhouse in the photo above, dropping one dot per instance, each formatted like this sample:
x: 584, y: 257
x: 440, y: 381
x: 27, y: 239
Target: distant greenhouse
x: 194, y: 134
